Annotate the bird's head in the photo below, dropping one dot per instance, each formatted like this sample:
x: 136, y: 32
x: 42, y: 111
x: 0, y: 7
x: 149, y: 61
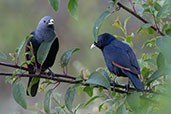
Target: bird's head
x: 46, y: 22
x: 103, y: 40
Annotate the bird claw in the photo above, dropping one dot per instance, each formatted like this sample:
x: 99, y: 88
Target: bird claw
x: 127, y: 86
x: 37, y: 71
x: 114, y: 82
x: 50, y: 73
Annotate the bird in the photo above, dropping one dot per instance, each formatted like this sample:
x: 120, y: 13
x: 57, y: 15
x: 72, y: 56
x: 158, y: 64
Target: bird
x: 119, y: 58
x: 45, y: 32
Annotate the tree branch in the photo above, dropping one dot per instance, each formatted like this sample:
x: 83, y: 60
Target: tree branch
x: 139, y: 17
x: 59, y: 78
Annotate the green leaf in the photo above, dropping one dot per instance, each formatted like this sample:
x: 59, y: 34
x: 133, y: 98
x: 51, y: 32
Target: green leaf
x: 129, y: 39
x: 89, y: 91
x: 157, y: 6
x: 164, y: 11
x: 20, y: 47
x: 47, y: 100
x: 34, y: 80
x: 97, y: 78
x: 133, y: 101
x: 43, y: 51
x: 118, y: 24
x: 157, y: 74
x: 66, y: 56
x: 69, y: 97
x: 58, y: 110
x: 58, y: 96
x: 101, y: 104
x: 73, y: 8
x: 54, y: 4
x: 77, y: 107
x: 121, y: 109
x: 164, y: 46
x: 104, y: 72
x: 91, y: 100
x: 168, y: 32
x: 150, y: 43
x: 98, y: 23
x: 3, y: 56
x: 125, y: 22
x: 161, y: 63
x: 19, y: 94
x: 144, y: 26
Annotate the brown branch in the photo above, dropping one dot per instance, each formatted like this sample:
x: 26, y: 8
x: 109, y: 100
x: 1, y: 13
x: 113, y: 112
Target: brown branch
x: 139, y: 17
x: 60, y: 78
x: 43, y: 76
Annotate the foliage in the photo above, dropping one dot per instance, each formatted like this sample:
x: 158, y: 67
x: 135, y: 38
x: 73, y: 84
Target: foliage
x: 155, y: 66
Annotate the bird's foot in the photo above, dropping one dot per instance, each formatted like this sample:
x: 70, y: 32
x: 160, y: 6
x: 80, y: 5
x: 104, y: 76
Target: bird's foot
x: 50, y: 73
x: 38, y: 71
x: 114, y: 82
x: 127, y: 86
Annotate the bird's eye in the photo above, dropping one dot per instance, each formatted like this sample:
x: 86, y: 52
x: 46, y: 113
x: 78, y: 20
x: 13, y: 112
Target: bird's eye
x: 44, y: 21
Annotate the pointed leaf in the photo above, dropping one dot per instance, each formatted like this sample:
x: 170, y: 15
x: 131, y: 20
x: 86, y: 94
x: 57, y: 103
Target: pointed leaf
x: 161, y: 63
x: 97, y: 78
x: 121, y: 109
x: 77, y: 107
x: 164, y: 46
x: 125, y: 22
x: 157, y: 74
x: 101, y: 104
x: 43, y: 51
x: 66, y: 56
x: 20, y: 47
x: 47, y: 100
x: 99, y: 21
x: 69, y: 97
x: 73, y: 8
x: 91, y: 100
x: 133, y: 101
x: 19, y: 94
x: 54, y: 4
x: 144, y: 26
x: 89, y: 91
x: 3, y: 56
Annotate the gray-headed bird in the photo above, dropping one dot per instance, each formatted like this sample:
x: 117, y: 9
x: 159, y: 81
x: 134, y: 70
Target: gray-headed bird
x: 45, y: 32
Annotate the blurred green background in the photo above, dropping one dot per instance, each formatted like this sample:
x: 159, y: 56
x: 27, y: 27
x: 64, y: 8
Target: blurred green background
x: 20, y: 17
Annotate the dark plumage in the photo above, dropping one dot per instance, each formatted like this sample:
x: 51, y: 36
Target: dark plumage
x: 43, y: 33
x: 119, y: 58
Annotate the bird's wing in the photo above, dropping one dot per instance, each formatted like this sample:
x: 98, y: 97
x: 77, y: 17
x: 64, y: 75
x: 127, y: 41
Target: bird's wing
x: 31, y: 49
x: 122, y: 56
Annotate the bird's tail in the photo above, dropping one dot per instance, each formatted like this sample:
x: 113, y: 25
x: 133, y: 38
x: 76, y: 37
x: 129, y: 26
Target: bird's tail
x: 33, y: 87
x: 135, y: 80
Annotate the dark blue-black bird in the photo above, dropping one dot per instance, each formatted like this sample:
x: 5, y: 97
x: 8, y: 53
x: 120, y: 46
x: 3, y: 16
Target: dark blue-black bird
x: 43, y: 33
x: 119, y: 58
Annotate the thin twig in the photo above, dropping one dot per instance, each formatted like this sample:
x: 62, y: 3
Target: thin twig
x: 133, y: 7
x: 138, y: 16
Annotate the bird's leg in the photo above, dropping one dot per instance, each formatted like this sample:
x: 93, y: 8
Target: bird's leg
x: 38, y: 70
x: 50, y: 72
x: 114, y: 82
x: 127, y: 86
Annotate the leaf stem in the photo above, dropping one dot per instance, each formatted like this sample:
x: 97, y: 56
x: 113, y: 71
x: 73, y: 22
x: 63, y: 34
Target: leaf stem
x: 59, y: 104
